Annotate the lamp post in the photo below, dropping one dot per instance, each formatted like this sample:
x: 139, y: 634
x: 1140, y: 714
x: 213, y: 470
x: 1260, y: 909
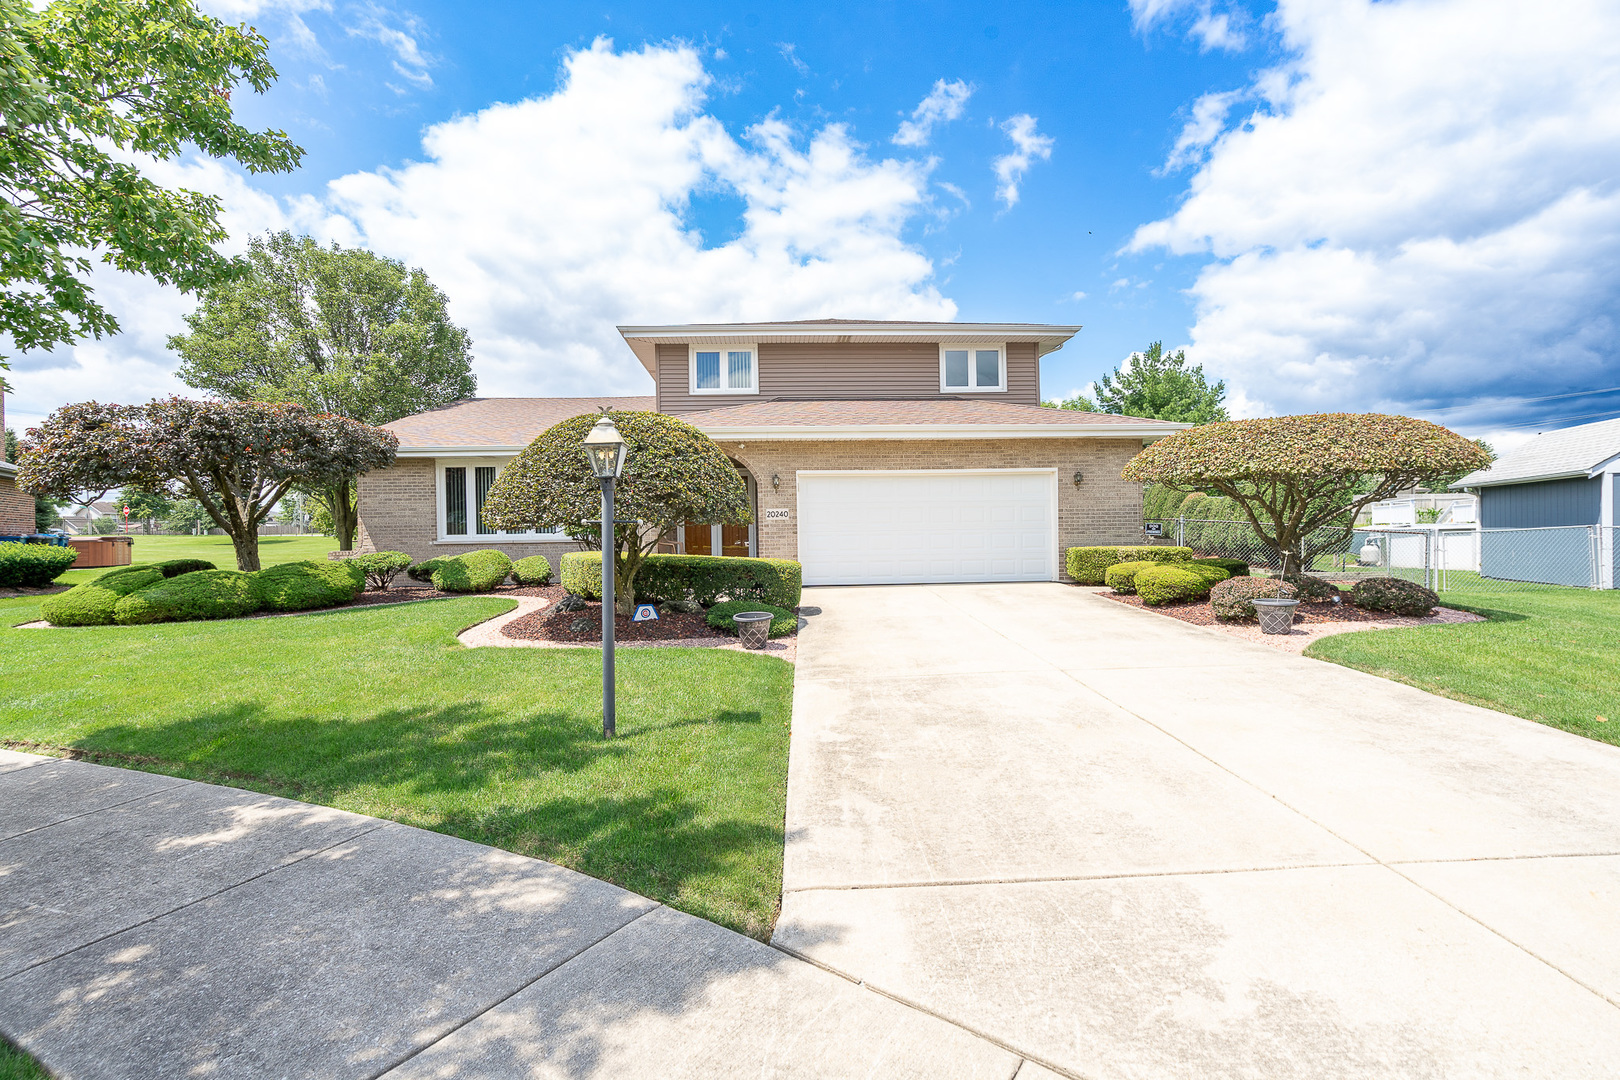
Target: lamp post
x: 605, y: 449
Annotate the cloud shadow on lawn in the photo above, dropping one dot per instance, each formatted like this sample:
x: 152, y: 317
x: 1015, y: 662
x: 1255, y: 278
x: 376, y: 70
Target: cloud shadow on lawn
x: 544, y: 784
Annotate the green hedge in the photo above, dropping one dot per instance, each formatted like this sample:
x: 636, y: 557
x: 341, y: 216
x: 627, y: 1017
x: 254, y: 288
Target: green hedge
x: 1311, y: 587
x: 1161, y: 583
x: 203, y: 594
x: 1233, y: 567
x: 33, y: 566
x: 702, y: 578
x: 1089, y: 565
x: 1395, y: 595
x: 783, y: 622
x: 534, y: 570
x: 312, y: 583
x: 476, y: 571
x: 423, y: 571
x: 380, y: 567
x: 1121, y: 577
x: 93, y: 603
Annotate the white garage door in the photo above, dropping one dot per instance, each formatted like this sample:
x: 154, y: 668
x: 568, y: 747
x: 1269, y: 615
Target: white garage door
x: 879, y: 528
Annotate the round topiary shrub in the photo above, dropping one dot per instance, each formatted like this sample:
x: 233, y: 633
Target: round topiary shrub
x: 1163, y: 583
x: 531, y: 571
x: 1395, y: 595
x: 33, y: 566
x: 1231, y: 599
x: 476, y: 571
x: 783, y: 622
x: 1308, y: 587
x: 1121, y: 577
x: 582, y: 574
x: 204, y: 594
x: 380, y: 567
x: 423, y: 571
x: 302, y: 586
x: 93, y: 603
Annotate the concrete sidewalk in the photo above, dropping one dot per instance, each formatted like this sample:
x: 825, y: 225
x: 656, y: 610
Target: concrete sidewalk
x: 1123, y: 846
x: 155, y: 927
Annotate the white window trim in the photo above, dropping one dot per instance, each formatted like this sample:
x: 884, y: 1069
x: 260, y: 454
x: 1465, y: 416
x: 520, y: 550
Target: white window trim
x: 971, y: 347
x: 472, y: 537
x: 691, y: 368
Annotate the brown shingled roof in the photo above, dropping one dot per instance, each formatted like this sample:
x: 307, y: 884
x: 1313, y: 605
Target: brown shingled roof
x: 907, y: 411
x: 513, y: 421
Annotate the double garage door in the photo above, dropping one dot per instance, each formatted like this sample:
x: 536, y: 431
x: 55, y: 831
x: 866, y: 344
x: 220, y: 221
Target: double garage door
x: 882, y: 528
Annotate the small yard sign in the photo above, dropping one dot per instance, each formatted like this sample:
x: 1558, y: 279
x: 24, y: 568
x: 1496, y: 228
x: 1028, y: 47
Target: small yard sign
x: 644, y: 613
x: 776, y: 515
x: 1154, y: 528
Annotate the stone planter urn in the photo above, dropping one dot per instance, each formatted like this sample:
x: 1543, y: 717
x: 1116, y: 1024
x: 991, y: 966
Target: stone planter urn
x: 1276, y: 614
x: 753, y: 627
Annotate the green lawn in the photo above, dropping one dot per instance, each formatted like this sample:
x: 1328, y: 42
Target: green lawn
x: 1546, y: 653
x: 16, y: 1065
x: 381, y: 711
x: 217, y: 549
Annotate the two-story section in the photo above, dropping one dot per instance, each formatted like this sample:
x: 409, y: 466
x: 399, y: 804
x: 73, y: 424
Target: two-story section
x: 898, y: 452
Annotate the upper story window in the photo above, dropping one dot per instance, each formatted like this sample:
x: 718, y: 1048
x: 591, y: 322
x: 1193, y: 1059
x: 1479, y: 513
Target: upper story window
x: 463, y: 487
x: 724, y: 369
x: 972, y: 368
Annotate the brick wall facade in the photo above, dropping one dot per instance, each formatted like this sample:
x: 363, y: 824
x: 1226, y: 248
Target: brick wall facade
x: 16, y: 509
x: 398, y: 512
x: 1103, y: 509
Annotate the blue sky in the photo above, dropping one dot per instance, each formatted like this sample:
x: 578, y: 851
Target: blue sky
x: 1404, y: 206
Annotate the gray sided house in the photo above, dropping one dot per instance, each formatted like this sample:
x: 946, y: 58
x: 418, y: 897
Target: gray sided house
x: 873, y: 452
x: 1547, y: 511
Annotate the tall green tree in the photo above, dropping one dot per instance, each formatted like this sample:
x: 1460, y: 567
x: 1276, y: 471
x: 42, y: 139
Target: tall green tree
x: 336, y: 330
x: 1161, y: 386
x: 1077, y: 403
x: 88, y: 89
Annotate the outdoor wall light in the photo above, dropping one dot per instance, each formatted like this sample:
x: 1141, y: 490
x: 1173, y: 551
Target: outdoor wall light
x: 1077, y: 478
x: 776, y: 481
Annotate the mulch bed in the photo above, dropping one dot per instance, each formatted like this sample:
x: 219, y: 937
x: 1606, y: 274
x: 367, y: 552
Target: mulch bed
x: 1199, y: 613
x: 12, y: 592
x: 586, y: 626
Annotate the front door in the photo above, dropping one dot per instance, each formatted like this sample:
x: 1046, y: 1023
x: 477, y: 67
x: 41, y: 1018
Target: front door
x: 698, y: 539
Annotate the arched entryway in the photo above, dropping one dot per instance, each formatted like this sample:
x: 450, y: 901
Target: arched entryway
x: 695, y: 538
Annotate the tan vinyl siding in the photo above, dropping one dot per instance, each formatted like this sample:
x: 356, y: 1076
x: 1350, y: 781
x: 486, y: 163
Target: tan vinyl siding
x: 849, y: 370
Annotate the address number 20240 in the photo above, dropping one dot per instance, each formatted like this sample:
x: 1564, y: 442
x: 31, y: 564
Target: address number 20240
x: 776, y: 515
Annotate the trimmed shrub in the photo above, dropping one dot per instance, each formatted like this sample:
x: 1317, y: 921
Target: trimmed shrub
x: 1312, y: 588
x: 93, y: 603
x: 704, y: 579
x: 168, y: 568
x: 476, y: 571
x: 33, y: 565
x: 1395, y: 595
x: 1089, y: 565
x: 380, y: 567
x: 782, y: 622
x: 534, y: 570
x: 1160, y: 583
x: 301, y: 586
x: 1232, y: 598
x: 1233, y: 567
x: 1121, y: 577
x: 423, y: 571
x: 203, y: 594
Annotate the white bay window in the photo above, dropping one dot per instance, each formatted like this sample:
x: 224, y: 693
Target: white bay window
x: 463, y: 486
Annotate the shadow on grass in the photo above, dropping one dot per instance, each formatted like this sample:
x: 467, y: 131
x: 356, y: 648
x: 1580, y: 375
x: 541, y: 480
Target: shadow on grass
x: 651, y: 811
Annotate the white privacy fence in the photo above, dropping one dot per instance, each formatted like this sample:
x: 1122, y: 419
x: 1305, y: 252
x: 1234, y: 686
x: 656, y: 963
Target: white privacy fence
x: 1442, y: 557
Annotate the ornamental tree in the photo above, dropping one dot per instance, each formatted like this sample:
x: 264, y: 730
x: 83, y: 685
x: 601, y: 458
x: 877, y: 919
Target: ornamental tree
x: 1300, y: 480
x: 673, y: 473
x: 91, y: 91
x: 338, y: 330
x: 235, y: 458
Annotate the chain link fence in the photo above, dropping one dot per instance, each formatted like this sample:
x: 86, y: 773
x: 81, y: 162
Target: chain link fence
x: 1442, y: 557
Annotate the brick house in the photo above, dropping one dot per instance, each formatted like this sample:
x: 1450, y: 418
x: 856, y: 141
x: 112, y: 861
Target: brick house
x: 16, y: 506
x: 874, y: 452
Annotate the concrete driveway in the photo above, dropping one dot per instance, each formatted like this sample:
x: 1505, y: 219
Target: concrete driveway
x: 1122, y: 846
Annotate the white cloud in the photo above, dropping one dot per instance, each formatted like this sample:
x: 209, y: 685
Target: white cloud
x: 790, y: 53
x: 1214, y: 28
x: 550, y: 220
x: 1205, y: 125
x: 1028, y: 146
x: 943, y: 104
x: 377, y: 23
x: 1424, y: 209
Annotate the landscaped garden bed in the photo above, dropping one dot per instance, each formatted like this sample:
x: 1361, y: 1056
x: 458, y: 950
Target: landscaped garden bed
x: 585, y: 626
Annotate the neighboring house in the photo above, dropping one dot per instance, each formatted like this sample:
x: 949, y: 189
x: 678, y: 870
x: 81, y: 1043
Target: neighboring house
x: 82, y: 518
x: 16, y: 506
x: 1547, y: 510
x: 874, y: 452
